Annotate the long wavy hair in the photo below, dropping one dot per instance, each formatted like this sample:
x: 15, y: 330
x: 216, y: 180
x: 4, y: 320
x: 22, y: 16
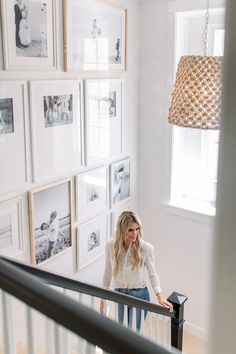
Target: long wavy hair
x: 126, y: 219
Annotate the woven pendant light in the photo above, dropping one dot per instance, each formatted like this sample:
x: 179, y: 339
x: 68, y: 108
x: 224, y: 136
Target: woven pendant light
x: 196, y: 98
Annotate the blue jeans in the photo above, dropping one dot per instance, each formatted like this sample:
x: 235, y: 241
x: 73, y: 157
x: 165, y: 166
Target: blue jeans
x: 140, y: 293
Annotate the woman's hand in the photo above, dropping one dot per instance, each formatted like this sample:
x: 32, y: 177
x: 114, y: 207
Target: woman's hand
x: 163, y: 302
x: 102, y: 306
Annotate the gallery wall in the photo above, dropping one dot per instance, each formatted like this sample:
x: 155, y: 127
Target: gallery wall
x: 33, y: 84
x: 183, y: 240
x: 183, y: 244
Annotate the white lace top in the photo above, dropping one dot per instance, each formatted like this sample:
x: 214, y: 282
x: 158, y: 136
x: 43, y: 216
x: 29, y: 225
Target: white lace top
x: 129, y: 277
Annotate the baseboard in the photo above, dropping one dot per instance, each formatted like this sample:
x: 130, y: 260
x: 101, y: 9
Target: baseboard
x: 195, y: 331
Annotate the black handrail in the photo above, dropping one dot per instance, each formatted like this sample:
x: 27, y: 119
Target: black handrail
x: 75, y: 285
x: 85, y: 322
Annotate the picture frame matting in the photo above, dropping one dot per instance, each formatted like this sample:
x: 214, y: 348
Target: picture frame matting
x: 103, y: 120
x: 14, y: 135
x: 92, y: 193
x: 11, y: 227
x: 91, y: 241
x: 56, y: 113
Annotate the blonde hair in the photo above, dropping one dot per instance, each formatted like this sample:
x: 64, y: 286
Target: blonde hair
x: 126, y: 219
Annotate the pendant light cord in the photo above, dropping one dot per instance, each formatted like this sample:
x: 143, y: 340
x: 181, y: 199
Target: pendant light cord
x: 205, y: 31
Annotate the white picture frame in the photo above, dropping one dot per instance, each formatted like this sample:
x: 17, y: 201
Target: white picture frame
x: 11, y: 227
x: 56, y: 128
x: 29, y: 36
x: 94, y: 36
x: 91, y: 192
x: 91, y: 241
x: 51, y: 209
x: 103, y: 119
x: 14, y: 136
x: 120, y: 182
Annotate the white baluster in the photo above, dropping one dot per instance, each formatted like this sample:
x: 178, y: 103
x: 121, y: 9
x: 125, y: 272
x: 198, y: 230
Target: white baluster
x: 49, y: 335
x: 161, y: 327
x: 167, y: 332
x: 112, y: 311
x: 156, y: 324
x: 133, y: 323
x: 90, y: 348
x: 2, y: 324
x: 107, y: 309
x: 56, y: 336
x: 64, y: 340
x: 116, y: 311
x: 100, y: 351
x: 80, y: 297
x: 142, y: 330
x: 80, y: 341
x: 125, y: 321
x: 29, y: 330
x: 92, y: 302
x: 8, y: 329
x: 149, y: 324
x: 81, y: 345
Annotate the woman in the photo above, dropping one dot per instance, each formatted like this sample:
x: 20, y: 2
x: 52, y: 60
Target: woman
x: 24, y: 32
x: 128, y: 259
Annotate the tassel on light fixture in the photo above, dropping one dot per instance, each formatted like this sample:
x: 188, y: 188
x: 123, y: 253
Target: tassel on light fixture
x: 196, y: 98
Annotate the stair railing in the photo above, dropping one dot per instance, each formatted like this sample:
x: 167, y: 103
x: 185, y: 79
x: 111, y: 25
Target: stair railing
x: 76, y: 286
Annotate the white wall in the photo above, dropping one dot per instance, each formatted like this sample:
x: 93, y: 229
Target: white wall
x: 66, y: 263
x: 183, y: 242
x: 223, y: 329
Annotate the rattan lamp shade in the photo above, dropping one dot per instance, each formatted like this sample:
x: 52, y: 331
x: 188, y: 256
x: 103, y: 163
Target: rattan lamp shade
x: 196, y: 97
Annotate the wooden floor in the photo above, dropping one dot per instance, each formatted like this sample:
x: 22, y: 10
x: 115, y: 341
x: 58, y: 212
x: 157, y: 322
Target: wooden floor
x: 193, y: 345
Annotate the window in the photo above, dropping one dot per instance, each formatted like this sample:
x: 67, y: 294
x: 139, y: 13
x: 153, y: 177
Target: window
x: 195, y: 151
x: 194, y: 169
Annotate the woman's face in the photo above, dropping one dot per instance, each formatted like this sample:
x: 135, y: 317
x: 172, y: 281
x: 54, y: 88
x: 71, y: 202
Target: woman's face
x: 132, y: 234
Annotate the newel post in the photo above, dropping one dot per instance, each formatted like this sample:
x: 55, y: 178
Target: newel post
x: 177, y: 322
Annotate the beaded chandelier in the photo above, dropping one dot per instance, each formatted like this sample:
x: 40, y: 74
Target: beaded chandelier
x: 196, y: 98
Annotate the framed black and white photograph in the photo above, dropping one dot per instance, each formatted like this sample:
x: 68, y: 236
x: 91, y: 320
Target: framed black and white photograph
x: 51, y: 220
x: 92, y: 187
x: 56, y: 127
x: 29, y: 34
x: 115, y: 214
x: 91, y: 240
x: 11, y: 223
x: 120, y: 181
x: 58, y: 110
x: 94, y: 36
x: 103, y: 123
x: 14, y: 135
x: 6, y: 116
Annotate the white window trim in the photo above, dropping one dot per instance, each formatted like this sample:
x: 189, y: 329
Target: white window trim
x: 183, y: 212
x: 201, y: 213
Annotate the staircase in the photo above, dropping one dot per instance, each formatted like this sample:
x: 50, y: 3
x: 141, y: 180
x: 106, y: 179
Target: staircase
x: 42, y: 312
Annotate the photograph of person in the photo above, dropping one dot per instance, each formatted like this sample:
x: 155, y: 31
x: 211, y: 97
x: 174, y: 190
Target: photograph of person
x: 6, y: 116
x: 52, y: 231
x: 31, y: 28
x: 120, y: 176
x: 58, y: 110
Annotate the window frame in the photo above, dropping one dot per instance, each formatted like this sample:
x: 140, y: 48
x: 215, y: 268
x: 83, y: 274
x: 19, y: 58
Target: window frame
x: 201, y: 210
